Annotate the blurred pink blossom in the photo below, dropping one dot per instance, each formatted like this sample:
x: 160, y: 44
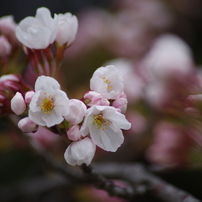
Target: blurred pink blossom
x: 5, y: 47
x: 171, y: 145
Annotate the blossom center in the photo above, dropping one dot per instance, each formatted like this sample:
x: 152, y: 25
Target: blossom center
x: 108, y: 83
x: 100, y: 122
x: 47, y: 104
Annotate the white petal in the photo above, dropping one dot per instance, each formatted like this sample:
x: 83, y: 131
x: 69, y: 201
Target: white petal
x: 61, y: 103
x: 80, y: 152
x: 46, y: 83
x: 117, y: 118
x: 36, y: 117
x: 34, y: 104
x: 23, y: 38
x: 68, y: 156
x: 39, y: 37
x: 44, y: 16
x: 52, y: 118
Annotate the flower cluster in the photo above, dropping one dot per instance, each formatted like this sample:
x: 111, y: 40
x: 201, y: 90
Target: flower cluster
x: 42, y: 30
x: 96, y: 120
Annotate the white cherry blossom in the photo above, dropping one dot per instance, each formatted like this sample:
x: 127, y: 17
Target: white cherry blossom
x: 80, y: 152
x: 67, y: 29
x: 104, y: 125
x: 39, y: 31
x: 107, y: 82
x: 49, y: 104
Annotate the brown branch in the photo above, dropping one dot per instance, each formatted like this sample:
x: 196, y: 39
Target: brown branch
x: 137, y: 175
x: 142, y: 181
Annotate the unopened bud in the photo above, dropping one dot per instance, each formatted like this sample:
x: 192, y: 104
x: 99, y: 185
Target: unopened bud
x: 27, y: 126
x: 28, y: 96
x: 18, y: 104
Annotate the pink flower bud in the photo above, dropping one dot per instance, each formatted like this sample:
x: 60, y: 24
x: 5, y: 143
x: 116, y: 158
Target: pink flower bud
x: 74, y: 133
x: 194, y: 112
x: 195, y: 99
x: 77, y: 111
x: 5, y: 47
x: 7, y: 25
x: 18, y: 104
x: 121, y: 103
x: 27, y: 126
x: 93, y: 98
x: 80, y: 152
x: 28, y: 96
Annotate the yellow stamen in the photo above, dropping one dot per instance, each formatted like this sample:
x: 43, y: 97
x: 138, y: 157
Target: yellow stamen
x: 107, y: 82
x: 47, y: 104
x: 101, y: 122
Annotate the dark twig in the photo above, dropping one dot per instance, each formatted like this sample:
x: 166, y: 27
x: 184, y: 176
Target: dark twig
x: 136, y: 174
x: 141, y: 181
x: 101, y: 182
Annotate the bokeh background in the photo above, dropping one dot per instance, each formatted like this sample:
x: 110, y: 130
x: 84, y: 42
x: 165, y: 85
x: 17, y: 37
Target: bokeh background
x: 157, y: 45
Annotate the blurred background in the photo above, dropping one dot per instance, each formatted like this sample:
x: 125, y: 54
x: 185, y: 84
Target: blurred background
x: 157, y: 46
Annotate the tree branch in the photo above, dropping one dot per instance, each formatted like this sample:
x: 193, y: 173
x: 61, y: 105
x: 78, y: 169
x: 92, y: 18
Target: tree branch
x: 142, y: 181
x: 137, y: 175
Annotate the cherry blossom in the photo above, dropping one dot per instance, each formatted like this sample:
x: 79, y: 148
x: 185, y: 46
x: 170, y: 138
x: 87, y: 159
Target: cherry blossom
x: 107, y: 81
x: 104, y: 125
x: 39, y: 31
x: 67, y: 29
x: 49, y: 104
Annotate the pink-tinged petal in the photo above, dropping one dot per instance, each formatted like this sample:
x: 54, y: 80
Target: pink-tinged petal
x: 18, y: 104
x: 27, y: 126
x: 28, y: 96
x: 74, y: 133
x: 77, y: 111
x: 80, y: 152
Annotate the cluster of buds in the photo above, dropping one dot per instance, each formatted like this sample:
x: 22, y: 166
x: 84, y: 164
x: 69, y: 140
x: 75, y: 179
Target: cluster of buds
x: 9, y: 85
x: 45, y: 38
x: 96, y: 119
